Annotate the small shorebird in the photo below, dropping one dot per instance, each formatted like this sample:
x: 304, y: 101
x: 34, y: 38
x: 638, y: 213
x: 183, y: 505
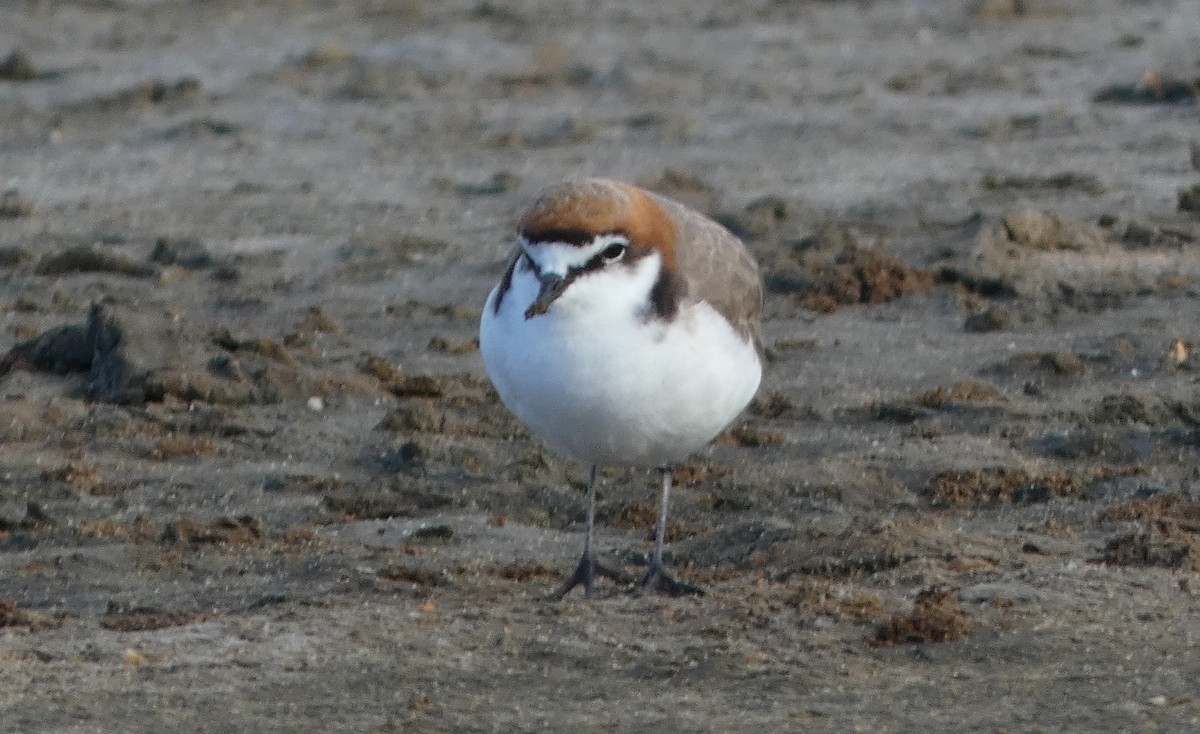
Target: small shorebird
x: 625, y: 332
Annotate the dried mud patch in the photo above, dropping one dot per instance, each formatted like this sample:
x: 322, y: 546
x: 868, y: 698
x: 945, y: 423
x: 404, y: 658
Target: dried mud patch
x: 448, y: 419
x: 141, y: 619
x: 85, y: 480
x: 240, y: 531
x: 1163, y: 232
x: 1066, y: 181
x: 408, y: 573
x: 524, y: 571
x: 836, y: 268
x: 139, y: 530
x: 747, y: 435
x: 12, y: 615
x: 777, y: 405
x: 1001, y: 485
x: 692, y: 473
x: 1167, y: 505
x: 1167, y: 533
x: 1040, y: 365
x: 1189, y: 199
x: 936, y: 616
x: 371, y: 255
x: 89, y: 260
x: 1055, y: 261
x: 1162, y: 543
x: 13, y: 206
x: 972, y: 487
x: 461, y: 391
x: 139, y: 98
x: 134, y: 355
x: 965, y: 393
x: 1151, y: 410
x: 386, y: 498
x: 1153, y: 88
x: 18, y: 66
x: 643, y: 515
x: 865, y: 546
x: 819, y: 597
x: 870, y: 545
x: 34, y: 519
x: 304, y: 483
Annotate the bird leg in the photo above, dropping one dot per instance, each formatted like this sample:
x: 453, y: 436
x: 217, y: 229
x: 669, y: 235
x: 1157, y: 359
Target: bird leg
x: 656, y: 577
x: 588, y: 569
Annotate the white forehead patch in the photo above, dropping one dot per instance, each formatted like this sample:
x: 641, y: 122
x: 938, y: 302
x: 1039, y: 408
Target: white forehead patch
x: 560, y: 257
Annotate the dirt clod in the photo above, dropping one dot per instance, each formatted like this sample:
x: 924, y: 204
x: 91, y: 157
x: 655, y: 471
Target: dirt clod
x: 819, y: 596
x: 12, y: 206
x: 748, y: 436
x: 175, y: 447
x: 936, y: 616
x: 865, y: 275
x: 1189, y: 199
x: 89, y: 260
x: 240, y: 531
x: 994, y: 318
x: 18, y: 67
x: 1164, y: 505
x: 448, y: 346
x: 1162, y: 543
x: 410, y: 575
x: 186, y: 252
x: 967, y: 392
x: 1153, y: 88
x: 141, y: 619
x: 12, y: 615
x: 966, y: 487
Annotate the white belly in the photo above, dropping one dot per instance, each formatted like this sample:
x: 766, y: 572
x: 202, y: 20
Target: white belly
x: 604, y: 385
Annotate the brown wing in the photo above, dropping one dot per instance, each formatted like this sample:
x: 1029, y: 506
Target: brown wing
x: 715, y: 267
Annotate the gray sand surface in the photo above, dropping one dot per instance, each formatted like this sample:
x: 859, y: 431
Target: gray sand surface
x: 254, y: 478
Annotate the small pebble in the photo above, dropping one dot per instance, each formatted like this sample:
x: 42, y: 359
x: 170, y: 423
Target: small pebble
x: 316, y: 404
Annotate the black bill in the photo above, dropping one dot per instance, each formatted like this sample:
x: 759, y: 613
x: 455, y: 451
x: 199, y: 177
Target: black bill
x: 552, y: 287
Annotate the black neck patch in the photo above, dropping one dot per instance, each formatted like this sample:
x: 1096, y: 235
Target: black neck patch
x: 506, y: 281
x: 665, y: 296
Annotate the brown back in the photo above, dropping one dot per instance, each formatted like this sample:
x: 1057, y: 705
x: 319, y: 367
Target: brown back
x: 716, y: 268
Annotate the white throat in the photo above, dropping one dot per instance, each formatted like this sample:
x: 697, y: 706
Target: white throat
x: 595, y: 299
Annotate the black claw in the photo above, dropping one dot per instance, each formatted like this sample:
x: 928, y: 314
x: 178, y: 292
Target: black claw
x: 585, y: 574
x: 657, y: 579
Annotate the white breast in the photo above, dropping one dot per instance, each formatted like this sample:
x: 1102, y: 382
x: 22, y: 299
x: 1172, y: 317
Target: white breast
x: 603, y: 383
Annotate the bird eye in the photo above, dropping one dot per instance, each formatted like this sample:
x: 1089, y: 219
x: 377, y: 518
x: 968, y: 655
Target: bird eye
x: 614, y: 252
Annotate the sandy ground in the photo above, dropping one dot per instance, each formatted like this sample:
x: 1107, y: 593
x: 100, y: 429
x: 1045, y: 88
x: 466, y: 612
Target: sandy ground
x: 254, y: 478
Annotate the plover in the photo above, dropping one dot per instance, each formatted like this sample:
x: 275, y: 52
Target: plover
x: 624, y: 332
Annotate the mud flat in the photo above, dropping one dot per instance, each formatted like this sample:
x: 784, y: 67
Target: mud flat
x: 254, y: 478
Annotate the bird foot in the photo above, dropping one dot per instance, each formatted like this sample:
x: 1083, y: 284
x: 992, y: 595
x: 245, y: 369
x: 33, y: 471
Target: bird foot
x: 657, y: 579
x: 585, y: 574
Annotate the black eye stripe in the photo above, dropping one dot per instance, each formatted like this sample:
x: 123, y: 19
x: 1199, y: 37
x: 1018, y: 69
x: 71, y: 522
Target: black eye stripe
x: 614, y: 251
x: 610, y: 254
